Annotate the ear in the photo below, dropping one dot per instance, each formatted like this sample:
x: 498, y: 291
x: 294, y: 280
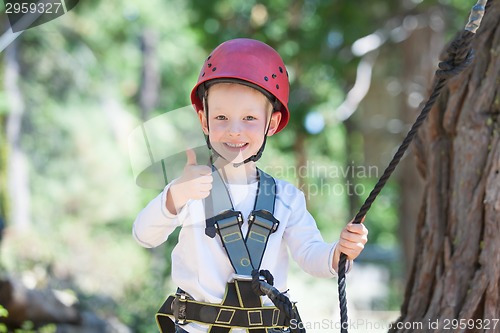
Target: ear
x: 274, y: 123
x: 203, y: 121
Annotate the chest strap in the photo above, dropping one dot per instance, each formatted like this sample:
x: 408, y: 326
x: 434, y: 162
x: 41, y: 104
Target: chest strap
x: 244, y: 253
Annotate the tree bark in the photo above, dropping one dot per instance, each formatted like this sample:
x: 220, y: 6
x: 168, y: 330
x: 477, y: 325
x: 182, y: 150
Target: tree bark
x: 456, y: 274
x: 418, y: 51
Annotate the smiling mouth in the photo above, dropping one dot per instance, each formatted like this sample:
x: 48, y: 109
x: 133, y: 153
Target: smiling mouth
x: 235, y: 145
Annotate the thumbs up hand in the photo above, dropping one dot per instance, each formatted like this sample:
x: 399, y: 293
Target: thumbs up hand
x: 194, y: 183
x: 197, y: 179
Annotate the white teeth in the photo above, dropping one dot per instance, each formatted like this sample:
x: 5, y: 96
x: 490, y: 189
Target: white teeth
x: 235, y: 145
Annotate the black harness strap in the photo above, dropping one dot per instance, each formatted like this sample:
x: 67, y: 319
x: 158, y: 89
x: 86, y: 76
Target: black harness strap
x: 261, y: 221
x: 222, y: 317
x: 245, y: 254
x: 229, y: 230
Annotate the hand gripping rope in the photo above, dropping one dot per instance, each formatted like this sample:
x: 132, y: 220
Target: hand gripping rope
x: 459, y: 56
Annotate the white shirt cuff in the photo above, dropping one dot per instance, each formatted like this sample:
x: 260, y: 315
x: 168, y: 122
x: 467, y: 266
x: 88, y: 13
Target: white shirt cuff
x: 180, y: 216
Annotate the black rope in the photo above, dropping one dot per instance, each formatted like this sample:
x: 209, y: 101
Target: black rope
x: 279, y: 299
x: 256, y: 280
x: 459, y: 56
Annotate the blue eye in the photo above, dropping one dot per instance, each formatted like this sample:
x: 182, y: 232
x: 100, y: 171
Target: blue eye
x: 250, y: 118
x: 221, y: 117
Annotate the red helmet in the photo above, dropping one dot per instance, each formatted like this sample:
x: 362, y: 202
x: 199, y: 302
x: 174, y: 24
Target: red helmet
x: 248, y: 62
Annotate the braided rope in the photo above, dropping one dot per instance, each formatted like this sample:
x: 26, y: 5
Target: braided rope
x: 459, y: 56
x: 279, y: 299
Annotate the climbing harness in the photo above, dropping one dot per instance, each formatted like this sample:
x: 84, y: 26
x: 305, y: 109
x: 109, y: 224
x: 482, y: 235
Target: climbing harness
x: 459, y: 56
x: 241, y: 305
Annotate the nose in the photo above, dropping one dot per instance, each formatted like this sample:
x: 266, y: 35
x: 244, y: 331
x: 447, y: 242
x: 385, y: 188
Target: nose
x: 234, y: 128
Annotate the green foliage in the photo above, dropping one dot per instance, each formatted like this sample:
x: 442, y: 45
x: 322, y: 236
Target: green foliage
x: 3, y: 314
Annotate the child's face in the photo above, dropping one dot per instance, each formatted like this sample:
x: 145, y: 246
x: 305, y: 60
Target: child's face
x: 237, y: 120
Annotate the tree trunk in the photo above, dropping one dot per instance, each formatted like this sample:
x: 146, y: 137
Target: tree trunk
x: 419, y: 51
x: 456, y: 274
x: 17, y: 163
x: 301, y: 162
x: 149, y: 89
x: 354, y: 201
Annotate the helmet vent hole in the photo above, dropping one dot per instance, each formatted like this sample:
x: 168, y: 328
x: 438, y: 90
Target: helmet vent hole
x: 274, y: 76
x: 281, y: 69
x: 210, y: 56
x: 202, y: 75
x: 277, y: 86
x: 214, y: 69
x: 266, y: 78
x: 209, y: 65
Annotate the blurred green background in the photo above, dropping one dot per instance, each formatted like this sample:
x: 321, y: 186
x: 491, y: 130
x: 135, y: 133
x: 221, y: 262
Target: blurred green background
x: 75, y: 88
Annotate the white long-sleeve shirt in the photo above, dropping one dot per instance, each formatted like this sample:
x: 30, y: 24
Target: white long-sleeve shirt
x: 200, y: 265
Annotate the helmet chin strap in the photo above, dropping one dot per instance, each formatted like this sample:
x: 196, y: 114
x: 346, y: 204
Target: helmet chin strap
x: 257, y: 156
x: 253, y: 158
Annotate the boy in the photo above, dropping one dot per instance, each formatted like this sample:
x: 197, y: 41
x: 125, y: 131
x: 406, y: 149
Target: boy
x: 236, y: 220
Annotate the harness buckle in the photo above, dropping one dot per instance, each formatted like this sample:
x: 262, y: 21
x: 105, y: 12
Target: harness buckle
x: 227, y: 218
x: 264, y: 219
x: 240, y: 277
x: 179, y: 307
